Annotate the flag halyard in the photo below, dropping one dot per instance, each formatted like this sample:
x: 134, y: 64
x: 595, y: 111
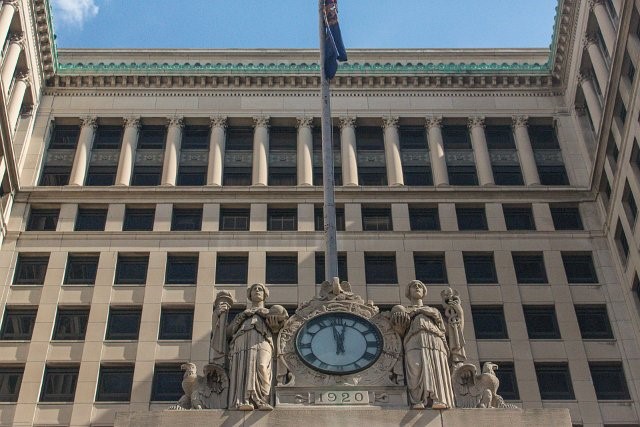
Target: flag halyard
x: 334, y: 51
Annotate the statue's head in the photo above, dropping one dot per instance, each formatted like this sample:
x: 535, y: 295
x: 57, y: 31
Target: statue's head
x: 489, y: 368
x: 189, y: 368
x: 257, y: 292
x: 416, y: 290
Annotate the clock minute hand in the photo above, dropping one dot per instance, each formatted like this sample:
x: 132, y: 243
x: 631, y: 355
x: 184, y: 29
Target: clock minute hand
x: 336, y: 337
x: 340, y: 349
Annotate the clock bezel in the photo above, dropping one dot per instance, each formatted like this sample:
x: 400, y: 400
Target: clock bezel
x: 373, y: 327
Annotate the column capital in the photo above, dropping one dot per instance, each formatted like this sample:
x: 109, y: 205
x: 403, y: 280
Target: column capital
x: 580, y: 109
x: 175, y: 121
x: 390, y: 122
x: 305, y: 122
x: 17, y: 37
x: 585, y: 76
x: 218, y: 122
x: 594, y: 3
x: 347, y: 122
x: 261, y: 121
x: 12, y: 3
x: 589, y: 39
x: 477, y: 121
x: 24, y: 76
x: 26, y: 110
x: 433, y: 121
x: 132, y: 122
x: 89, y: 122
x: 520, y: 121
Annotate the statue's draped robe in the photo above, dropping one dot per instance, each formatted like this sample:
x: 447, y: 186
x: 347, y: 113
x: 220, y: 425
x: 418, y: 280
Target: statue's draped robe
x: 426, y: 358
x: 250, y: 354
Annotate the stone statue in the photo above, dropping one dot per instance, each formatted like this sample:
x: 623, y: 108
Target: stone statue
x: 203, y: 392
x: 426, y: 353
x: 455, y: 326
x: 477, y: 391
x: 251, y: 352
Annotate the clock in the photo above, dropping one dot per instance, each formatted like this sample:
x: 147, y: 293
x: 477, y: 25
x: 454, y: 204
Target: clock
x: 339, y: 343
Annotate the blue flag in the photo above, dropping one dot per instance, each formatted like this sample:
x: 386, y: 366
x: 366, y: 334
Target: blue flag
x: 334, y: 47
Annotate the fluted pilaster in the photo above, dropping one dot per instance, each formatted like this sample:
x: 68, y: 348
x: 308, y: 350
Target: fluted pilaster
x: 349, y: 154
x: 436, y: 151
x: 305, y: 151
x: 81, y: 159
x: 127, y: 153
x: 172, y: 150
x: 261, y: 150
x: 481, y: 151
x: 216, y: 150
x: 525, y: 151
x: 392, y: 151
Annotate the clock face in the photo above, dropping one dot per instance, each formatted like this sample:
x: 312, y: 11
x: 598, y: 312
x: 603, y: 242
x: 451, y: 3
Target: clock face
x: 339, y: 343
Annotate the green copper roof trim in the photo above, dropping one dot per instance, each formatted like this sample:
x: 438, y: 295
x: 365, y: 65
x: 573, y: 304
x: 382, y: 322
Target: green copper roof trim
x: 312, y: 68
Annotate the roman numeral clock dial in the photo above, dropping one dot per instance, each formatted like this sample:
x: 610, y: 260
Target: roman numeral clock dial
x: 339, y: 343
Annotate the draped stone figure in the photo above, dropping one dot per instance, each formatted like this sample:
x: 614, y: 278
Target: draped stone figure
x: 426, y: 353
x: 251, y: 352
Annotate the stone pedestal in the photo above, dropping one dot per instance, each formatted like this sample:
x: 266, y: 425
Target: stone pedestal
x: 348, y: 416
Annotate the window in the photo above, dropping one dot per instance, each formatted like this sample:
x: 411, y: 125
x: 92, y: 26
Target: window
x: 101, y: 175
x: 194, y: 157
x: 282, y: 156
x: 342, y: 267
x: 548, y: 155
x: 108, y: 138
x: 18, y: 323
x: 31, y: 269
x: 518, y: 218
x: 123, y: 323
x: 181, y: 270
x: 138, y: 219
x: 318, y: 217
x: 189, y: 175
x: 186, y: 219
x: 55, y: 176
x: 43, y: 219
x: 279, y: 219
x: 176, y: 324
x: 506, y: 374
x: 609, y: 381
x: 371, y: 156
x: 579, y: 268
x: 462, y: 175
x: 629, y: 203
x: 480, y: 268
x: 622, y: 242
x: 380, y: 269
x: 430, y: 268
x: 414, y: 153
x: 167, y: 383
x: 376, y: 219
x: 232, y: 269
x: 423, y: 218
x: 529, y: 267
x: 282, y: 269
x: 542, y: 323
x: 236, y: 219
x: 152, y: 137
x: 60, y: 155
x: 195, y: 138
x: 59, y: 384
x: 471, y: 218
x: 64, y: 137
x: 71, y: 324
x: 10, y: 382
x: 593, y: 322
x: 114, y: 384
x: 81, y: 269
x: 459, y: 156
x: 504, y: 157
x: 91, y: 219
x: 566, y: 218
x: 554, y: 381
x: 317, y: 156
x: 238, y: 156
x: 131, y: 269
x: 146, y: 176
x: 489, y: 323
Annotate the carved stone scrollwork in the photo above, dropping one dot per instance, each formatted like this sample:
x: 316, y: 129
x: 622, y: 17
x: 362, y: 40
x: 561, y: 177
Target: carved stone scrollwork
x: 132, y: 122
x: 347, y: 122
x: 219, y: 122
x: 261, y: 121
x: 175, y: 121
x: 209, y: 391
x: 12, y: 3
x: 24, y: 76
x: 433, y: 121
x: 18, y: 38
x: 89, y: 122
x: 588, y: 40
x: 390, y: 122
x: 477, y: 121
x: 305, y: 122
x: 594, y: 3
x: 520, y: 121
x: 585, y: 76
x: 473, y: 390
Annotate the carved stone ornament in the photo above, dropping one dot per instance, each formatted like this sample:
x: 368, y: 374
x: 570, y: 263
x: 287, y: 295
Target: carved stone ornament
x: 585, y: 76
x: 12, y: 3
x: 433, y: 121
x: 589, y: 39
x: 219, y: 122
x: 24, y: 76
x: 89, y: 122
x: 347, y: 122
x: 473, y: 390
x: 208, y: 391
x: 390, y: 122
x: 477, y: 121
x: 305, y: 122
x: 594, y: 3
x: 132, y: 122
x: 520, y: 121
x: 261, y: 121
x: 17, y: 37
x: 175, y: 121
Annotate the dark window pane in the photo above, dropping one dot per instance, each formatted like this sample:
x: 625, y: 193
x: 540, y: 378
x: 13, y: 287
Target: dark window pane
x: 462, y: 175
x: 456, y: 137
x: 183, y: 219
x: 234, y: 219
x: 282, y: 219
x: 566, y: 218
x: 10, y: 382
x: 236, y: 176
x: 182, y: 270
x: 609, y: 381
x: 380, y: 269
x: 71, y: 324
x: 376, y: 219
x: 131, y: 270
x: 342, y: 267
x: 507, y: 175
x: 195, y: 138
x: 593, y: 322
x: 541, y: 322
x: 31, y: 269
x: 417, y: 175
x: 369, y: 138
x: 64, y: 137
x: 18, y: 324
x: 43, y: 220
x: 108, y: 138
x: 123, y: 324
x: 413, y: 138
x: 167, y: 384
x: 114, y: 384
x: 422, y: 219
x: 282, y: 269
x: 232, y: 269
x: 81, y: 269
x: 138, y: 219
x: 319, y: 219
x: 145, y: 176
x: 280, y: 176
x: 500, y: 138
x: 480, y: 268
x: 553, y: 175
x: 543, y: 137
x: 59, y: 384
x: 579, y: 268
x: 192, y: 176
x: 518, y: 218
x: 91, y: 219
x: 372, y: 176
x: 430, y: 268
x: 529, y: 268
x: 101, y: 176
x: 53, y: 176
x: 489, y: 323
x: 176, y: 324
x: 471, y: 219
x: 152, y: 137
x: 554, y: 381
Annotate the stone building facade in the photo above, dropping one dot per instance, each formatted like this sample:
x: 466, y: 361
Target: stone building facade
x: 137, y: 183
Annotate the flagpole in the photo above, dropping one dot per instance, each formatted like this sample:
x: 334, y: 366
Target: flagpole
x: 330, y: 235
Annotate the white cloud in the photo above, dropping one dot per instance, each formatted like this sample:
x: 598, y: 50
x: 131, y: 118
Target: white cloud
x: 75, y: 12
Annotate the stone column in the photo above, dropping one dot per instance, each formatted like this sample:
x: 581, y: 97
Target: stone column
x: 81, y: 159
x: 9, y: 8
x: 127, y: 153
x: 604, y: 22
x: 305, y: 151
x: 17, y: 97
x: 525, y: 151
x: 633, y: 45
x: 216, y: 150
x: 392, y: 151
x: 591, y: 96
x: 598, y: 61
x: 349, y: 155
x: 261, y: 150
x: 172, y: 151
x: 481, y: 151
x: 436, y: 151
x: 16, y: 45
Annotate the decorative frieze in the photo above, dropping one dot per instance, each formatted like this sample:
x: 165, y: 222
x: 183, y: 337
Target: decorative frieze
x: 239, y: 158
x: 149, y: 157
x: 415, y: 158
x: 60, y: 157
x: 194, y: 157
x: 504, y: 157
x: 105, y: 157
x: 459, y: 157
x: 551, y: 157
x: 317, y: 158
x: 371, y: 159
x: 283, y: 158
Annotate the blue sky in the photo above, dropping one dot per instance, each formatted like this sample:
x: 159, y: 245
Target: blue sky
x: 293, y: 23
